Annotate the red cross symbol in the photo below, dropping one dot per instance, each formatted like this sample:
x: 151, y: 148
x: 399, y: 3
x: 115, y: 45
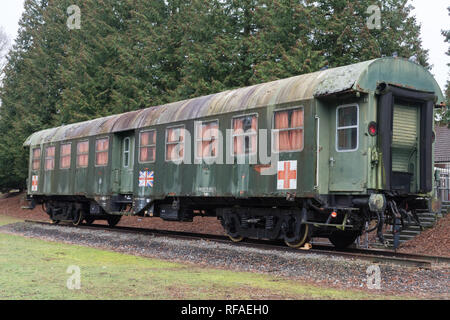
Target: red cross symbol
x: 34, y: 183
x: 286, y: 175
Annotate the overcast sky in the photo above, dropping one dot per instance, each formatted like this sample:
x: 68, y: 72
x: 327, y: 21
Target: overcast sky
x: 431, y: 14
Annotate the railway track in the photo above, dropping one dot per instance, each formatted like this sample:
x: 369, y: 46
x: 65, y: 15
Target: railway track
x: 372, y: 255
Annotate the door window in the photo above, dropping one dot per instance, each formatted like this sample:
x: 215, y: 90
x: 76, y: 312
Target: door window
x: 347, y: 128
x: 126, y: 152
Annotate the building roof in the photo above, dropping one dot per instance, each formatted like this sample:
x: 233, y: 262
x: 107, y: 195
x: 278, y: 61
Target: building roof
x: 442, y: 146
x: 362, y: 77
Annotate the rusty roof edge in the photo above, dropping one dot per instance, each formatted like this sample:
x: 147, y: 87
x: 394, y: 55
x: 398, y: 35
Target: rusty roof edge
x: 283, y: 91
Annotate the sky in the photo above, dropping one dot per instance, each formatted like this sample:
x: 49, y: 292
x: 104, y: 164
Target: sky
x: 431, y: 14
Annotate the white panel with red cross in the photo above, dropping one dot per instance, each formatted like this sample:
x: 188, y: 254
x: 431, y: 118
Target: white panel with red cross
x: 34, y: 183
x: 287, y: 175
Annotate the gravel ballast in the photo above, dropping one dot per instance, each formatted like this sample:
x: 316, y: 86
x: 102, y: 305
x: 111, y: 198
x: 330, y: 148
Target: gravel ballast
x: 312, y: 268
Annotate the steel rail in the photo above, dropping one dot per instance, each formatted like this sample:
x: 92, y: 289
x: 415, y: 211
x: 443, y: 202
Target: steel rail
x: 372, y: 255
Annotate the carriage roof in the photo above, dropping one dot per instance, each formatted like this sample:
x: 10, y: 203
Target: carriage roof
x: 360, y: 77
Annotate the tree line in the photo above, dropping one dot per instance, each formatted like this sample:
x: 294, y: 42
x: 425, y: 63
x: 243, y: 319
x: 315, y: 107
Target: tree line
x: 133, y: 54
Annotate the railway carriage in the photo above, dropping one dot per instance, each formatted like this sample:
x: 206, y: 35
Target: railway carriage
x: 321, y: 154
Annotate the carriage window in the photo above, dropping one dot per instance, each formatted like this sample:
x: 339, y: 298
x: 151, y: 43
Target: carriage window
x: 147, y: 147
x: 245, y: 135
x: 126, y: 152
x: 287, y: 135
x: 83, y: 154
x: 50, y: 158
x: 65, y: 152
x: 175, y: 144
x: 347, y: 128
x: 36, y: 160
x: 206, y: 138
x: 101, y: 152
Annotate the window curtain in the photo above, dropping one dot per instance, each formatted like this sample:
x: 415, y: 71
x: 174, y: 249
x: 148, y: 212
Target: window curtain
x: 102, y: 146
x: 175, y: 145
x: 148, y: 146
x: 288, y: 138
x: 36, y: 159
x: 207, y: 147
x: 83, y: 154
x: 50, y: 158
x: 239, y: 141
x: 65, y: 156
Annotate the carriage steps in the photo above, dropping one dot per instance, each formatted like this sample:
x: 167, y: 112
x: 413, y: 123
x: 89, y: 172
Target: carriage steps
x: 428, y: 221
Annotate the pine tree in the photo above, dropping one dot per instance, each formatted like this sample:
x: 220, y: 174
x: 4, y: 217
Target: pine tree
x: 133, y: 54
x: 24, y: 93
x: 342, y: 32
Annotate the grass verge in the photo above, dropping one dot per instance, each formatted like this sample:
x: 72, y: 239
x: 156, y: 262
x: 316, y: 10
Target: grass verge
x: 37, y: 269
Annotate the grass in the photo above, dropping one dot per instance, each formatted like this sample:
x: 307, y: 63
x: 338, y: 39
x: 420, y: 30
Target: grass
x: 4, y: 220
x: 36, y: 269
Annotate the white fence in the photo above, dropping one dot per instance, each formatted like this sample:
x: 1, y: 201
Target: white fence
x: 443, y: 185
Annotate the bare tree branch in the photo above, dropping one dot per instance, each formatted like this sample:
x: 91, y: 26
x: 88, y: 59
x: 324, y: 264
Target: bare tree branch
x: 4, y: 46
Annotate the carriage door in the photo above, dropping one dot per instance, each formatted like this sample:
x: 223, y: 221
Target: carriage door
x: 123, y: 162
x: 346, y: 159
x: 405, y: 147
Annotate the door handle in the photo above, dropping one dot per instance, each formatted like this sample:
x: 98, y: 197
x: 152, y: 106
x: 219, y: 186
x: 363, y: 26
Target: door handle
x: 332, y: 162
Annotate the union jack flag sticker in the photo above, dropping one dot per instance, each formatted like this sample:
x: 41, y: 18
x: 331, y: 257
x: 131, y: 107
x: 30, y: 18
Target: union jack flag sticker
x: 146, y: 179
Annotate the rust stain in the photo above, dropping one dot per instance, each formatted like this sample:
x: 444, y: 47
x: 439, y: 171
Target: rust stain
x: 296, y: 89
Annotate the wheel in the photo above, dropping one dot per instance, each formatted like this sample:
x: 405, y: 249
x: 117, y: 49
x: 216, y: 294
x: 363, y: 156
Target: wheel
x: 236, y: 239
x: 114, y: 220
x: 229, y: 224
x: 78, y: 219
x: 343, y: 239
x: 300, y: 240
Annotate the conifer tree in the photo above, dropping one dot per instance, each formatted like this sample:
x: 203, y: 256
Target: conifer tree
x: 134, y: 54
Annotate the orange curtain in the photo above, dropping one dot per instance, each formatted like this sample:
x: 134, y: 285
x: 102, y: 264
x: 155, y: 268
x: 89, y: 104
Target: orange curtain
x: 83, y: 154
x: 83, y: 160
x: 147, y: 148
x: 289, y: 140
x: 83, y: 147
x: 254, y: 136
x: 209, y: 133
x: 50, y: 158
x: 36, y: 164
x: 145, y: 138
x: 102, y: 145
x: 144, y: 154
x: 102, y: 158
x: 282, y: 141
x: 36, y: 159
x: 65, y: 156
x: 239, y: 142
